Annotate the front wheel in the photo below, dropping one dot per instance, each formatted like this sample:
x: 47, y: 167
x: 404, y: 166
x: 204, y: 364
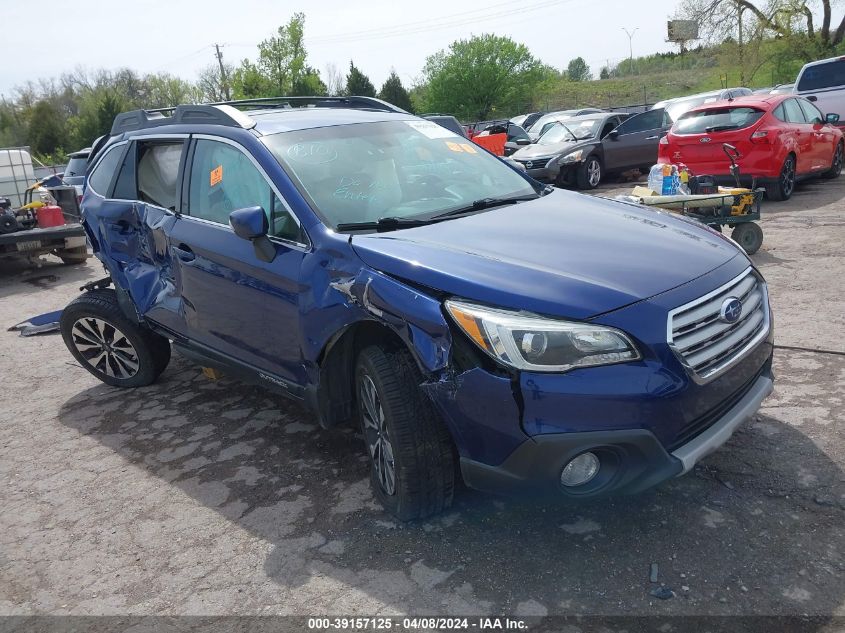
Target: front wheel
x: 589, y: 173
x: 411, y: 452
x: 836, y: 163
x: 785, y: 185
x: 110, y: 346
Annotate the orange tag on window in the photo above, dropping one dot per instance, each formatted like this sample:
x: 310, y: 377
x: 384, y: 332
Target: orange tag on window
x: 469, y: 148
x: 455, y: 147
x: 216, y: 175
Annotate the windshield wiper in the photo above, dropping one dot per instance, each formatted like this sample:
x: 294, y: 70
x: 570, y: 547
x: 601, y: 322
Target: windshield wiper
x: 721, y: 128
x: 383, y: 224
x: 485, y: 203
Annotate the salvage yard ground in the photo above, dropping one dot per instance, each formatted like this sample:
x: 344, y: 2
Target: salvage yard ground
x: 194, y: 496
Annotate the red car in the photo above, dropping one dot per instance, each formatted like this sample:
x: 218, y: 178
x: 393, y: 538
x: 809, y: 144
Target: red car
x: 780, y: 138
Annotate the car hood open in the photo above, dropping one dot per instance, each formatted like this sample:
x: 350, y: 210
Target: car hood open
x: 564, y: 254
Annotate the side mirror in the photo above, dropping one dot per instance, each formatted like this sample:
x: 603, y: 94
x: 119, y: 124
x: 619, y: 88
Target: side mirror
x: 250, y: 223
x: 613, y: 135
x: 831, y: 117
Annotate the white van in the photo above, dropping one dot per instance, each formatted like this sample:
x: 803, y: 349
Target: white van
x: 823, y: 83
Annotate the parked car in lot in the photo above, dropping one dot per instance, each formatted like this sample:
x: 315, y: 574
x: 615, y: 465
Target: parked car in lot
x: 74, y: 173
x: 677, y: 107
x: 782, y: 89
x: 447, y: 121
x: 380, y: 269
x: 823, y: 83
x: 780, y: 138
x: 571, y: 152
x: 526, y: 120
x: 547, y: 120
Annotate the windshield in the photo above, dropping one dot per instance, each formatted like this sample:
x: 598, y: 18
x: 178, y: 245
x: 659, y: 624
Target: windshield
x: 398, y: 169
x: 820, y: 76
x: 537, y: 127
x: 717, y: 120
x: 572, y: 130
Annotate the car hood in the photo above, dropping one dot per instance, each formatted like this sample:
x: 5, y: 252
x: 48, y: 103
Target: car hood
x: 564, y: 254
x: 530, y: 152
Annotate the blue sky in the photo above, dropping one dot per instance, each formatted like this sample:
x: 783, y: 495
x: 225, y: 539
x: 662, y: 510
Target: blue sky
x: 177, y: 35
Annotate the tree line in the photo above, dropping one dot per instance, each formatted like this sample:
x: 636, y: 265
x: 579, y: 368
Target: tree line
x: 486, y: 76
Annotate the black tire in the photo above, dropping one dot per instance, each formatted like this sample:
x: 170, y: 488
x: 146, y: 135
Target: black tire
x: 76, y: 255
x: 836, y: 163
x: 589, y: 173
x: 785, y: 185
x: 423, y: 455
x: 748, y: 235
x: 8, y: 223
x: 110, y: 346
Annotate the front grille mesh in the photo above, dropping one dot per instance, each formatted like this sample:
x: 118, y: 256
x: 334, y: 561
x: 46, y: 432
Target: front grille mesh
x: 705, y: 342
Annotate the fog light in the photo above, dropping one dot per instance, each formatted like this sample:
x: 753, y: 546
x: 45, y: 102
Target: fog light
x: 580, y: 470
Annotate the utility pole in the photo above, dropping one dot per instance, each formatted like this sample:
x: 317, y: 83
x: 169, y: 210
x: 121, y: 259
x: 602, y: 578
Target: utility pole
x: 224, y: 81
x: 630, y: 35
x: 741, y: 47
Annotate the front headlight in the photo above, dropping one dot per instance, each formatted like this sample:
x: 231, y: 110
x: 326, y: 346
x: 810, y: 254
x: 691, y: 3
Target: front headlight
x: 574, y: 157
x: 531, y: 342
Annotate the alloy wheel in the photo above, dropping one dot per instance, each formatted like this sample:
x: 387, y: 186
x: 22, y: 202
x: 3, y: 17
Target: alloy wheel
x: 787, y: 177
x: 594, y: 172
x: 105, y: 348
x: 837, y: 161
x: 376, y: 435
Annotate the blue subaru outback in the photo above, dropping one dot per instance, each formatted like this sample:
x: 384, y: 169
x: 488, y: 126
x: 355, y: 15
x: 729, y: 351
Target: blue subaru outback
x: 384, y: 271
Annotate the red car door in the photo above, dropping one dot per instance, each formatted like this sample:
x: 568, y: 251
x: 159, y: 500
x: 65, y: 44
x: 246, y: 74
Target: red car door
x: 824, y: 138
x: 805, y: 161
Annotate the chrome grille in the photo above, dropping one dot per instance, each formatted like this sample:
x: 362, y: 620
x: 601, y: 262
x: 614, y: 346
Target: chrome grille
x: 707, y: 344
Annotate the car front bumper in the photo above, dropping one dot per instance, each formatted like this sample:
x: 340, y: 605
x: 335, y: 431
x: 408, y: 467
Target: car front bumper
x: 636, y: 459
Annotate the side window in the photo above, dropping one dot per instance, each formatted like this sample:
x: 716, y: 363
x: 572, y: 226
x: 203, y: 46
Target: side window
x: 610, y: 125
x: 516, y: 132
x: 158, y: 172
x: 101, y: 178
x: 811, y: 112
x: 224, y: 179
x: 793, y: 111
x: 821, y: 76
x: 780, y: 115
x: 650, y: 120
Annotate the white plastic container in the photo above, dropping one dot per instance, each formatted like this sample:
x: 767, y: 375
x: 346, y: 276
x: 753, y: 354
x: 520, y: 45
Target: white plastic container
x: 16, y: 174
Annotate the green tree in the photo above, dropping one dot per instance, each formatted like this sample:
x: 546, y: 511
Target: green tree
x: 394, y: 92
x: 309, y: 84
x: 604, y: 73
x: 46, y: 128
x: 483, y: 74
x: 577, y: 70
x: 248, y: 82
x: 281, y: 58
x: 358, y: 84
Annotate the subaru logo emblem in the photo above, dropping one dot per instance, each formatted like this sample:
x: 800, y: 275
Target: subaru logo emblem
x: 705, y: 139
x: 731, y: 310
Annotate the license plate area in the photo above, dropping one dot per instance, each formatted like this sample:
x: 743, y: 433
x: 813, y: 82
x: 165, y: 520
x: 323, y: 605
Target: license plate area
x: 29, y: 245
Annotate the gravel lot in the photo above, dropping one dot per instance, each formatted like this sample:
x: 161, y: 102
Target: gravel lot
x: 210, y: 497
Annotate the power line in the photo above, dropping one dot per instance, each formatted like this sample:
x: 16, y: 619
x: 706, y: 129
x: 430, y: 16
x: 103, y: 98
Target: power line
x: 442, y: 24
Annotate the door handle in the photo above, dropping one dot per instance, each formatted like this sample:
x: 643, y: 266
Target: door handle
x: 812, y: 98
x: 184, y: 253
x: 651, y: 138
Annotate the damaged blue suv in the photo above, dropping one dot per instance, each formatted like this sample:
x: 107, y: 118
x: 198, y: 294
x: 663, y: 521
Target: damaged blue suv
x: 384, y: 271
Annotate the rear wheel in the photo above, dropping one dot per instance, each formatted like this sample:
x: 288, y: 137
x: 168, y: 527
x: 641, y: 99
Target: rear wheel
x: 110, y: 346
x: 785, y: 185
x: 76, y: 255
x: 836, y: 164
x: 589, y: 173
x: 411, y: 453
x: 748, y: 235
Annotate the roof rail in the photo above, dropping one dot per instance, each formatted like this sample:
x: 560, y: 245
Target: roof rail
x: 354, y: 102
x: 227, y: 112
x: 208, y: 114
